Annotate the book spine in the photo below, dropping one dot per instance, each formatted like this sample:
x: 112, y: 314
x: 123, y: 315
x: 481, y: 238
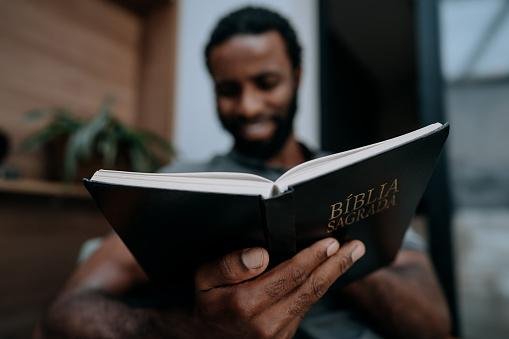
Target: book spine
x: 280, y: 226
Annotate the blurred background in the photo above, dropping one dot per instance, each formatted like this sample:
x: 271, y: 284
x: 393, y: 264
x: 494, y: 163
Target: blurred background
x: 122, y: 84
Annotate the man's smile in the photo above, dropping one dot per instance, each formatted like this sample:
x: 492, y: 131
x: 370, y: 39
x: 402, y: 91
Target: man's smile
x: 257, y: 130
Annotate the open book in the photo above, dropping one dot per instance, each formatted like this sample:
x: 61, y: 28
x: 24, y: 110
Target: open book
x: 244, y: 183
x: 173, y: 222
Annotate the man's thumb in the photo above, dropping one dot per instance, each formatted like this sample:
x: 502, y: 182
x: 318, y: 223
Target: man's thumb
x: 232, y: 268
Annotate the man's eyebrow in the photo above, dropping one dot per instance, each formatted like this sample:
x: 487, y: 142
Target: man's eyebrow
x: 271, y: 73
x: 264, y: 74
x: 225, y: 82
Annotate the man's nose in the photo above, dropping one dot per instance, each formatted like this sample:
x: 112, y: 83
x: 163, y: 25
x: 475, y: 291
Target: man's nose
x: 250, y: 104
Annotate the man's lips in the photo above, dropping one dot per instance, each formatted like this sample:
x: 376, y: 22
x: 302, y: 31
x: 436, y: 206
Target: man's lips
x: 257, y: 130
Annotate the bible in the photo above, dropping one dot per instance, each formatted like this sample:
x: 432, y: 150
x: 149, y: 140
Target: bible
x: 174, y: 222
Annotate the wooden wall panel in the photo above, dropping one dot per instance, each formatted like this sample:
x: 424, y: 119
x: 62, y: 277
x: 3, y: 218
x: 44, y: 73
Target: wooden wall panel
x: 157, y: 74
x: 69, y: 53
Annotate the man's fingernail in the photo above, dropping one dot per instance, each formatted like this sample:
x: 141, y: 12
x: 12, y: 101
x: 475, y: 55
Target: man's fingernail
x: 357, y: 252
x: 332, y: 248
x: 252, y: 258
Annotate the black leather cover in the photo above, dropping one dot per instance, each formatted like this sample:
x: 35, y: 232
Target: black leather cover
x: 280, y: 221
x: 382, y: 232
x: 171, y: 232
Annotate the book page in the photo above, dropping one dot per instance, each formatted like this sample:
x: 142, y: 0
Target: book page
x: 213, y: 182
x: 327, y: 164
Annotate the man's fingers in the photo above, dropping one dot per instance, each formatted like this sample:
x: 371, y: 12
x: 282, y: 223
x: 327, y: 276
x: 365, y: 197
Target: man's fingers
x: 287, y: 276
x: 232, y: 268
x: 298, y: 302
x: 323, y: 277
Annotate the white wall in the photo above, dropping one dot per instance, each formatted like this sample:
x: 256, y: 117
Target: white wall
x: 467, y: 31
x: 198, y: 133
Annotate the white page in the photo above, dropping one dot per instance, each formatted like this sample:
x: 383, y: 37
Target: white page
x: 330, y: 163
x: 214, y: 182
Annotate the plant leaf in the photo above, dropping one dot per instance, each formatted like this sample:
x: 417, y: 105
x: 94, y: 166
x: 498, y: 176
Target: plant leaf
x: 62, y: 124
x: 107, y: 146
x: 139, y: 159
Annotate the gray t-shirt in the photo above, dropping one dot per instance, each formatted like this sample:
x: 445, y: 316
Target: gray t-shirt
x: 327, y: 318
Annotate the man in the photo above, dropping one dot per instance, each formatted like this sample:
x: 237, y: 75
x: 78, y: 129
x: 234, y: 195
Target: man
x: 254, y: 59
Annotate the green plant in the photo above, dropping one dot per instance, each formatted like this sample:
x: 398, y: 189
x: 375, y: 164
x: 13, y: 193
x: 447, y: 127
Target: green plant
x: 103, y: 137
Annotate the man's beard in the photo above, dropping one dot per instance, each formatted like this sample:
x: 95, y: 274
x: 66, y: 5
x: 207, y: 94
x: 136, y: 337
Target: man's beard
x: 262, y: 149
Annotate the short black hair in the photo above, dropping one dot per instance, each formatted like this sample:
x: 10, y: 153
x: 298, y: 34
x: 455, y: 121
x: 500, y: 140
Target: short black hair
x: 255, y: 20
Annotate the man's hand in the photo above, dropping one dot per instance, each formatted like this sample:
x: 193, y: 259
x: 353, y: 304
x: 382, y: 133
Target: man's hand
x: 233, y: 299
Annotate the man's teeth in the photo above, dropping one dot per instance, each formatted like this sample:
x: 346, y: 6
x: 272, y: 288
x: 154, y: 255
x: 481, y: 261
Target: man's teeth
x: 257, y: 127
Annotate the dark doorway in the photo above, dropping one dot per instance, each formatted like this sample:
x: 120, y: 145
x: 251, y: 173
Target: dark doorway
x: 380, y: 77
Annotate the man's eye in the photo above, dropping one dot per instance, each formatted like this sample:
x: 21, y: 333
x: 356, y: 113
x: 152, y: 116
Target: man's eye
x: 227, y: 90
x: 267, y: 83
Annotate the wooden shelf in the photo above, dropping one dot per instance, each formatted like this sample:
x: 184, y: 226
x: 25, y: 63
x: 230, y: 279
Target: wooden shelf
x: 40, y: 187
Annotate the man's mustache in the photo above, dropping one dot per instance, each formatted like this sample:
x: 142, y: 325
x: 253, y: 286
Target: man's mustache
x: 239, y: 121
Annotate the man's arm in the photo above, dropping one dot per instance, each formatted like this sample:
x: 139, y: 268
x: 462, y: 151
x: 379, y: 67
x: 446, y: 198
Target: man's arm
x: 233, y: 297
x: 403, y: 300
x: 89, y: 305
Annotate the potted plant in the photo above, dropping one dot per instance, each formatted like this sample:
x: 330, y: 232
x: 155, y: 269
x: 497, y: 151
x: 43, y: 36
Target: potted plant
x: 76, y: 148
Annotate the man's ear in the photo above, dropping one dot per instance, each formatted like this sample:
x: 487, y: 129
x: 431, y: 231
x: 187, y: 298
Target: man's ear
x: 296, y: 76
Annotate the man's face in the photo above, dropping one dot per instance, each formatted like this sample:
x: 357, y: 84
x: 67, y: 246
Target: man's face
x: 256, y: 91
